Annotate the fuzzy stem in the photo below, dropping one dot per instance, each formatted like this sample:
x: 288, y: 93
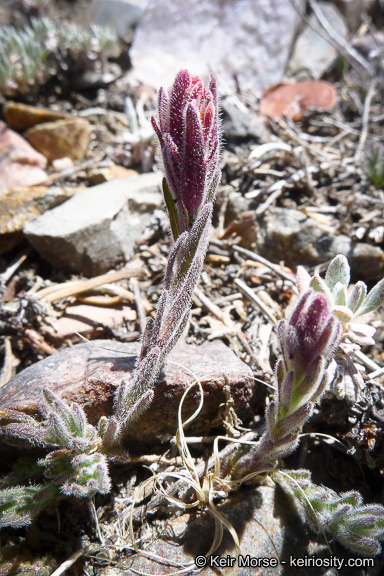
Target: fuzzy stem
x: 302, y: 374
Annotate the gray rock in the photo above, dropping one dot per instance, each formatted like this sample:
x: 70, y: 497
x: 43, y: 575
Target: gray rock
x: 254, y: 516
x: 120, y: 15
x: 249, y: 40
x: 312, y: 52
x: 237, y: 206
x: 366, y: 261
x: 97, y: 228
x: 288, y: 235
x: 269, y: 529
x: 242, y: 124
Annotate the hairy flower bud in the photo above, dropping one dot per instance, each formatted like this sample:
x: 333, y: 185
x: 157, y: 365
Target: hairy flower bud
x: 346, y: 306
x: 312, y: 331
x: 302, y: 374
x: 188, y: 133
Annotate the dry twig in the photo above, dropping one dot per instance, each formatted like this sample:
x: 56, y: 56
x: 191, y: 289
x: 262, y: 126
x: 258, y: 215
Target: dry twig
x: 58, y: 291
x: 255, y: 300
x: 261, y: 260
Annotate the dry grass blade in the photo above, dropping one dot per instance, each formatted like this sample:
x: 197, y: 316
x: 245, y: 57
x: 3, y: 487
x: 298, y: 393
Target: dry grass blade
x: 180, y: 437
x: 13, y: 267
x: 213, y: 308
x: 68, y: 172
x: 255, y: 300
x: 38, y: 342
x: 351, y: 55
x: 10, y: 363
x: 139, y: 304
x: 184, y: 568
x: 367, y: 362
x: 217, y: 463
x: 376, y: 374
x: 328, y: 436
x: 365, y: 121
x: 54, y: 293
x: 256, y: 258
x: 204, y: 491
x: 68, y: 563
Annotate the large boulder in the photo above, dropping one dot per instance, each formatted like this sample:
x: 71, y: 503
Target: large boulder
x: 244, y: 41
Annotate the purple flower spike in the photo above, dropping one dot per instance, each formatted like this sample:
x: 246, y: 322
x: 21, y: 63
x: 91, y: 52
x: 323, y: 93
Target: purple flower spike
x: 189, y: 136
x: 315, y: 331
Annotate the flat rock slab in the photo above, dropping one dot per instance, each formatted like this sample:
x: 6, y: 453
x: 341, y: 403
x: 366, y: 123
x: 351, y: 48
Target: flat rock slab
x: 97, y: 229
x: 253, y: 515
x: 89, y: 374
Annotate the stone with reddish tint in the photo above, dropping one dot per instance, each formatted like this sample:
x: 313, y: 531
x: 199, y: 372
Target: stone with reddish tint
x: 90, y: 373
x: 20, y: 164
x: 293, y: 99
x: 23, y: 204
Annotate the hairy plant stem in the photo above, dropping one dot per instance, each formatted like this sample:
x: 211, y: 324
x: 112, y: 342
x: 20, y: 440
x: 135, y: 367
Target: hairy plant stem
x: 160, y: 336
